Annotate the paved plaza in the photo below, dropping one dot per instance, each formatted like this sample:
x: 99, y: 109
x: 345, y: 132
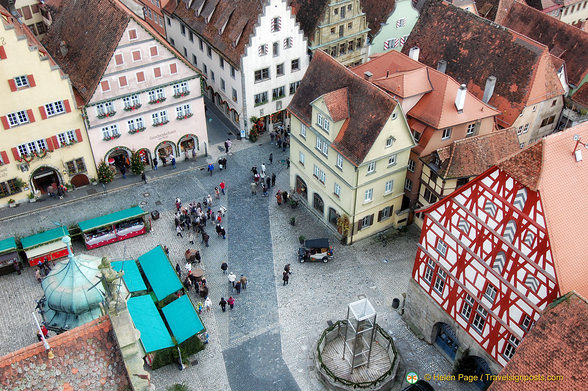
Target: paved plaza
x: 267, y: 341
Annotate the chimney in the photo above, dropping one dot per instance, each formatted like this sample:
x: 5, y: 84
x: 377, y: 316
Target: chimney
x: 367, y: 75
x: 460, y: 98
x: 442, y: 66
x: 63, y: 48
x: 414, y: 53
x: 489, y: 89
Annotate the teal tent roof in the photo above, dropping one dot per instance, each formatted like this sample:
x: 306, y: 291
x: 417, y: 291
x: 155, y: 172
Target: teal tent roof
x: 182, y: 319
x: 7, y: 245
x: 112, y: 218
x: 44, y: 237
x: 159, y: 272
x: 132, y: 276
x: 154, y: 334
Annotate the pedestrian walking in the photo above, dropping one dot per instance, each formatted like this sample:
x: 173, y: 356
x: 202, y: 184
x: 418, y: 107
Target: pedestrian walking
x: 231, y: 302
x: 216, y: 192
x: 178, y: 270
x: 155, y: 163
x: 253, y: 188
x: 191, y: 237
x: 209, y: 201
x: 178, y: 204
x: 144, y: 177
x: 232, y: 278
x: 222, y: 187
x: 194, y: 153
x: 243, y: 281
x: 227, y: 146
x: 38, y: 275
x: 229, y: 143
x: 285, y: 278
x: 188, y: 283
x: 265, y: 189
x: 205, y: 238
x: 271, y: 158
x: 287, y: 268
x: 273, y: 179
x: 188, y: 267
x: 210, y: 168
x: 287, y: 162
x: 224, y: 267
x: 268, y: 181
x: 173, y: 161
x: 284, y: 145
x: 263, y: 169
x: 123, y: 171
x: 179, y: 231
x: 223, y: 304
x: 238, y: 287
x: 166, y: 250
x: 272, y: 136
x: 223, y: 233
x: 208, y: 304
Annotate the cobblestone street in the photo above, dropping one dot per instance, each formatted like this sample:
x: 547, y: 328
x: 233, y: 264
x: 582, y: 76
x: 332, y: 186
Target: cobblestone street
x: 267, y: 341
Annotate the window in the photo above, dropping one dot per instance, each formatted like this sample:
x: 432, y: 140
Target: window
x: 262, y: 50
x: 191, y: 36
x: 349, y: 26
x: 490, y: 293
x: 181, y: 89
x: 156, y: 95
x: 547, y: 121
x: 526, y: 323
x: 132, y: 34
x: 276, y: 49
x: 183, y: 111
x: 466, y: 309
x: 21, y: 81
x: 41, y: 28
x: 337, y: 190
x: 400, y: 22
x: 221, y: 62
x: 385, y: 213
x: 232, y: 71
x: 278, y: 93
x: 441, y: 247
x: 280, y: 70
x: 159, y: 118
x: 408, y: 184
x: 276, y: 24
x: 105, y: 85
x: 416, y: 135
x: 333, y: 51
x: 389, y: 142
x: 234, y: 95
x: 301, y: 158
x: 135, y: 124
x: 131, y: 102
x: 479, y: 319
x: 288, y: 42
x: 200, y: 44
x: 173, y: 68
x: 212, y: 75
x: 104, y: 108
x: 429, y: 271
x: 55, y: 108
x: 340, y: 161
x: 322, y: 146
x: 440, y: 281
x: 322, y: 122
x: 446, y: 134
x: 122, y: 81
x: 366, y: 221
x: 319, y: 174
x: 183, y: 29
x: 205, y: 69
x: 510, y: 347
x: 110, y: 132
x: 303, y: 130
x: 411, y: 165
x: 157, y: 72
x: 388, y: 186
x: 209, y: 51
x: 260, y: 98
x: 392, y: 160
x: 371, y: 167
x: 368, y: 195
x: 293, y: 87
x: 262, y: 74
x: 140, y: 77
x: 470, y: 130
x: 526, y: 128
x: 136, y: 55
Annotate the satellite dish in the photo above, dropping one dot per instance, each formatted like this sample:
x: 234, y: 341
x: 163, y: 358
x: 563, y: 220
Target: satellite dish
x: 576, y: 137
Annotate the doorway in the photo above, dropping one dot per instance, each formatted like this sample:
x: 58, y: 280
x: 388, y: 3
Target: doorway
x: 43, y: 177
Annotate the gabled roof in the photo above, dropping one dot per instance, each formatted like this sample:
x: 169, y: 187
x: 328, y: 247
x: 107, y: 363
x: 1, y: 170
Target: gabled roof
x: 581, y: 96
x: 403, y: 77
x: 377, y: 13
x: 308, y: 14
x: 239, y: 17
x: 369, y: 107
x: 476, y: 48
x: 337, y: 104
x: 84, y: 356
x: 563, y: 40
x: 549, y: 167
x: 557, y: 344
x: 473, y: 155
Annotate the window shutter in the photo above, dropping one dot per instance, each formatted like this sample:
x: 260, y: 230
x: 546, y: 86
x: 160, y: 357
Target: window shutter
x: 55, y: 142
x: 12, y: 85
x: 379, y: 216
x: 79, y: 135
x: 31, y: 80
x: 43, y: 112
x: 2, y: 53
x: 67, y: 106
x: 173, y: 68
x: 371, y: 219
x: 15, y: 154
x: 359, y: 224
x: 49, y: 142
x: 5, y: 122
x: 31, y: 116
x: 4, y: 157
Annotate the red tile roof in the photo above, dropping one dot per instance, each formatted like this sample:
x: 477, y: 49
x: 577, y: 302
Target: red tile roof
x: 556, y: 346
x: 369, y: 107
x: 86, y: 358
x: 377, y: 13
x: 337, y: 104
x: 308, y: 14
x: 581, y: 96
x: 525, y: 166
x: 563, y: 40
x: 476, y: 48
x: 473, y: 155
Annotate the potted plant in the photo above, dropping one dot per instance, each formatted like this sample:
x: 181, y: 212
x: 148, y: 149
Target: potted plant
x: 32, y: 198
x: 301, y: 239
x: 12, y: 203
x: 292, y: 220
x: 293, y: 203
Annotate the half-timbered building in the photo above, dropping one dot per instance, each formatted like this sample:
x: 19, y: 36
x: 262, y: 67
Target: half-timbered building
x: 494, y: 253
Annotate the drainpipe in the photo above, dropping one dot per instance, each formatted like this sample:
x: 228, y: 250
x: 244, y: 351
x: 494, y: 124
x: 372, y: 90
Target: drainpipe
x: 354, y: 204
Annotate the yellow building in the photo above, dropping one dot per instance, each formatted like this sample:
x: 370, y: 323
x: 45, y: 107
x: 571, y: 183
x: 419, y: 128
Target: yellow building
x: 349, y: 149
x: 339, y: 28
x: 31, y: 14
x: 44, y: 140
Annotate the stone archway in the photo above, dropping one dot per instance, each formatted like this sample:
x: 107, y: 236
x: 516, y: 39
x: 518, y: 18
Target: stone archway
x: 164, y: 150
x: 45, y: 176
x: 145, y: 155
x: 301, y: 188
x: 318, y: 204
x: 475, y: 366
x: 119, y: 157
x: 446, y: 339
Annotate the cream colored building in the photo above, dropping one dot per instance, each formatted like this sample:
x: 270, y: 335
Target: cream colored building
x: 350, y: 144
x: 44, y: 140
x: 339, y: 28
x: 30, y: 14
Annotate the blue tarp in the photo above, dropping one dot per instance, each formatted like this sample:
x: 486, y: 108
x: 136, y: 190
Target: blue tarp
x: 132, y: 276
x: 182, y: 318
x: 154, y: 334
x: 161, y: 275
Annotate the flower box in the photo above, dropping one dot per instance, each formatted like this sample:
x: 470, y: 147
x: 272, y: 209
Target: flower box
x: 109, y: 114
x: 152, y: 102
x: 132, y: 108
x: 133, y: 131
x: 181, y: 94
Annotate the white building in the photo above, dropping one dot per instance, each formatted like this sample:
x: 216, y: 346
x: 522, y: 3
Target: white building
x: 252, y: 53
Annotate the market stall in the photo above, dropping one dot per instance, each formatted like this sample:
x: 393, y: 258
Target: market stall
x: 45, y: 246
x: 132, y: 277
x: 159, y: 273
x: 8, y: 255
x: 114, y: 227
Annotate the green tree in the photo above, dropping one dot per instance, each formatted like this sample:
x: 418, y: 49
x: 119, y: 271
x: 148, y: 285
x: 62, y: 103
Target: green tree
x: 105, y: 174
x: 137, y: 165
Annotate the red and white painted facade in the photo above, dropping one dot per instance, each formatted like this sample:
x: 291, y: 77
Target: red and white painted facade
x: 484, y: 257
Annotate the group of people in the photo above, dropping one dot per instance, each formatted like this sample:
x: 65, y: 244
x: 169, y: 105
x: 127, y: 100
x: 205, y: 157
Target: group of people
x: 261, y: 178
x: 281, y: 136
x: 43, y: 269
x: 196, y: 215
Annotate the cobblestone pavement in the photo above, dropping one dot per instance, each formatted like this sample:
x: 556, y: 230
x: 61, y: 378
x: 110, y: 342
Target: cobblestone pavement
x: 267, y: 341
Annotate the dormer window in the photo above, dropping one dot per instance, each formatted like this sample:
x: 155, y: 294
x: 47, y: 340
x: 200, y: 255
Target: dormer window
x: 322, y: 122
x: 276, y: 24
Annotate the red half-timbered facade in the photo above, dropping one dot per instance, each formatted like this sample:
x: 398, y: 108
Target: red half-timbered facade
x: 486, y: 254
